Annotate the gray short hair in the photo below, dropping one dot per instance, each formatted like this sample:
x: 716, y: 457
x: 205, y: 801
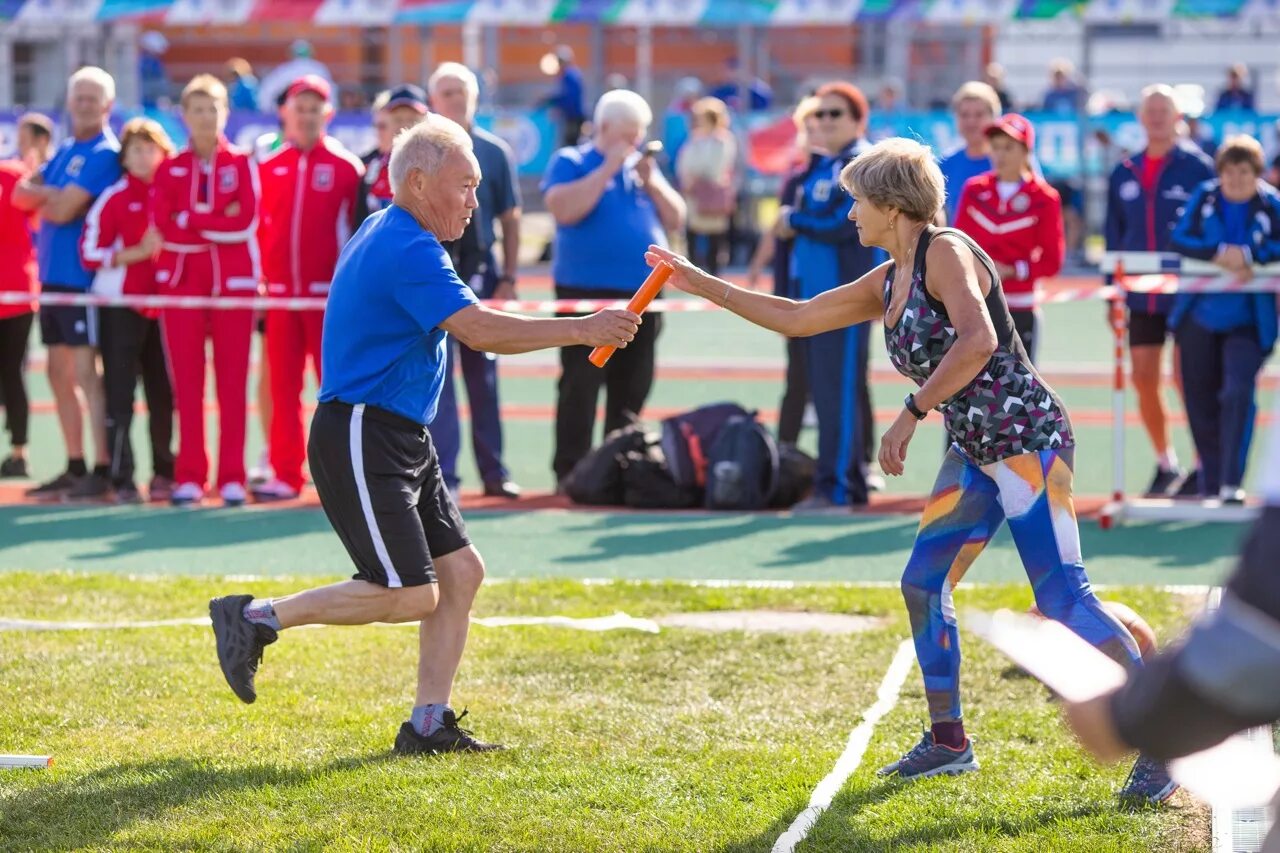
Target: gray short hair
x: 425, y: 147
x: 455, y: 71
x: 898, y: 173
x: 97, y: 76
x: 622, y: 105
x: 976, y: 90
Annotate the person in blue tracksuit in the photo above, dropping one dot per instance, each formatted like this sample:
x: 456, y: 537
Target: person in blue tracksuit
x: 1233, y: 221
x: 825, y: 254
x: 1144, y: 200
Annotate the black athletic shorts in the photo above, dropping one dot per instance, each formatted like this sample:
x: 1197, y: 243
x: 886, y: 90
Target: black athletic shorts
x: 1147, y: 329
x: 68, y: 325
x: 379, y: 482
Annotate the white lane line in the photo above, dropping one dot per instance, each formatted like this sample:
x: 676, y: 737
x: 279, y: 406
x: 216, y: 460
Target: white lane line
x: 859, y: 739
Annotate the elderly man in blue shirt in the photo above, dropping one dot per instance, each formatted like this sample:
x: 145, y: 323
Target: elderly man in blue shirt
x: 394, y: 300
x: 85, y: 164
x: 610, y: 202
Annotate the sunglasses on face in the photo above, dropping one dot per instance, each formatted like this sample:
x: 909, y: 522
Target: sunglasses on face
x: 821, y: 114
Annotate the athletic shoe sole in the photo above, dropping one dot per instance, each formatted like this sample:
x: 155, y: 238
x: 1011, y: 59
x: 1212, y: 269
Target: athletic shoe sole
x: 945, y: 770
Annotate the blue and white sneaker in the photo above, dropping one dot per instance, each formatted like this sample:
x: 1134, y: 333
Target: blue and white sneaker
x: 932, y: 759
x: 1149, y: 782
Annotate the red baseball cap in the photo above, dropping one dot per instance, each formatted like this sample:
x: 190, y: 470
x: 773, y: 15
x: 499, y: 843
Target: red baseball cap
x: 312, y: 83
x: 1015, y: 127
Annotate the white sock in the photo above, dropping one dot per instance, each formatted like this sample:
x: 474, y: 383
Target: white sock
x: 1168, y: 461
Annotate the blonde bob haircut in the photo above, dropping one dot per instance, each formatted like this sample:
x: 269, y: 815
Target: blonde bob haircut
x: 900, y: 174
x: 207, y: 85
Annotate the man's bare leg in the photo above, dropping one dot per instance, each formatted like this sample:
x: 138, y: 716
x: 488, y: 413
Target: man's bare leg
x: 1145, y: 361
x: 89, y: 379
x: 355, y: 602
x: 443, y: 635
x: 62, y: 381
x: 433, y: 724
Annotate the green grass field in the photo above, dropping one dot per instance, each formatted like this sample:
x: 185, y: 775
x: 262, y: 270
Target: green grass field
x: 683, y: 740
x: 621, y: 741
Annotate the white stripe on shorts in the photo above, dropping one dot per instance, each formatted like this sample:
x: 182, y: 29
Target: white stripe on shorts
x: 357, y: 468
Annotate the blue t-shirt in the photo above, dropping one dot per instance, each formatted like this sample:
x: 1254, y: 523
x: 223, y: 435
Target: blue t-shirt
x: 605, y: 249
x: 568, y: 98
x: 383, y: 346
x: 1222, y: 312
x: 93, y: 165
x: 499, y: 189
x: 957, y: 168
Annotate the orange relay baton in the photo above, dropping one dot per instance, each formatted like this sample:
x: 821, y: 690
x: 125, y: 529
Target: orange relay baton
x: 658, y: 277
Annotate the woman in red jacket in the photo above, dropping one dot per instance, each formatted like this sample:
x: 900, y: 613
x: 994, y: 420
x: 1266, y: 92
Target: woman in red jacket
x: 119, y: 244
x: 205, y: 207
x: 18, y: 275
x: 1017, y: 219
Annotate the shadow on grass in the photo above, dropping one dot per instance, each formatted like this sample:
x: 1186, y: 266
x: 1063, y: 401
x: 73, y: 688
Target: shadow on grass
x: 856, y: 536
x: 101, y: 532
x: 837, y: 830
x: 87, y: 810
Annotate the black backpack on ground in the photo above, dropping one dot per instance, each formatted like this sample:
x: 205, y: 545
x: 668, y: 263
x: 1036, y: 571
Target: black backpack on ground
x: 597, y: 478
x: 647, y: 482
x: 687, y: 440
x: 742, y: 466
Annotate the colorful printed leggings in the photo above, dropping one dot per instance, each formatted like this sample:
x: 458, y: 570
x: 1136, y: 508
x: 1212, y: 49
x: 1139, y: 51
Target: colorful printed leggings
x: 1033, y: 491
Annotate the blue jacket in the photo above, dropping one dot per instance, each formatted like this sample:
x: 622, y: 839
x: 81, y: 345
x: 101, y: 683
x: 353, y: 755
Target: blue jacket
x: 1199, y: 234
x: 1138, y: 224
x: 826, y: 252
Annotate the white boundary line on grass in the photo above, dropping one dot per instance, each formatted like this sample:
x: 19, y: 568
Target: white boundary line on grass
x: 859, y: 739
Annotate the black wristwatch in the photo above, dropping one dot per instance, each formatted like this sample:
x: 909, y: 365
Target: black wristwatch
x: 910, y: 403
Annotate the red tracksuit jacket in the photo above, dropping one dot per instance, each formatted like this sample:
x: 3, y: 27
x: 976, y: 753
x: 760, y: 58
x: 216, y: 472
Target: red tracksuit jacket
x: 117, y: 220
x: 1024, y: 232
x: 190, y: 209
x: 308, y: 212
x: 17, y: 249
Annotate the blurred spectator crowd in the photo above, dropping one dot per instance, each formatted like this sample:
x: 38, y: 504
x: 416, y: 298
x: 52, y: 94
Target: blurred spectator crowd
x: 134, y: 216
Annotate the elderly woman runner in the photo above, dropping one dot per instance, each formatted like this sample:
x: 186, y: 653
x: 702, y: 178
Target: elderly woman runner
x: 947, y: 328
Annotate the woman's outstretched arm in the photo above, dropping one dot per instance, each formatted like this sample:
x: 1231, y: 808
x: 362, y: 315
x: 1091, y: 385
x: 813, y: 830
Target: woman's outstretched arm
x: 846, y: 305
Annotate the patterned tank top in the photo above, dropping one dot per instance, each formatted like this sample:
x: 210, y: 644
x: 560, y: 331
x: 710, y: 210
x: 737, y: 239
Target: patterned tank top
x: 1008, y: 409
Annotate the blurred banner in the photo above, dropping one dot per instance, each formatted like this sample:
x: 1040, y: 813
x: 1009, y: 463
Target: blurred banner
x: 769, y: 137
x: 628, y: 12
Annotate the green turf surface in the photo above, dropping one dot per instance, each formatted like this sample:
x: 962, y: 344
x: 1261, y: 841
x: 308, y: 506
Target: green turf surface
x: 580, y: 544
x: 622, y: 741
